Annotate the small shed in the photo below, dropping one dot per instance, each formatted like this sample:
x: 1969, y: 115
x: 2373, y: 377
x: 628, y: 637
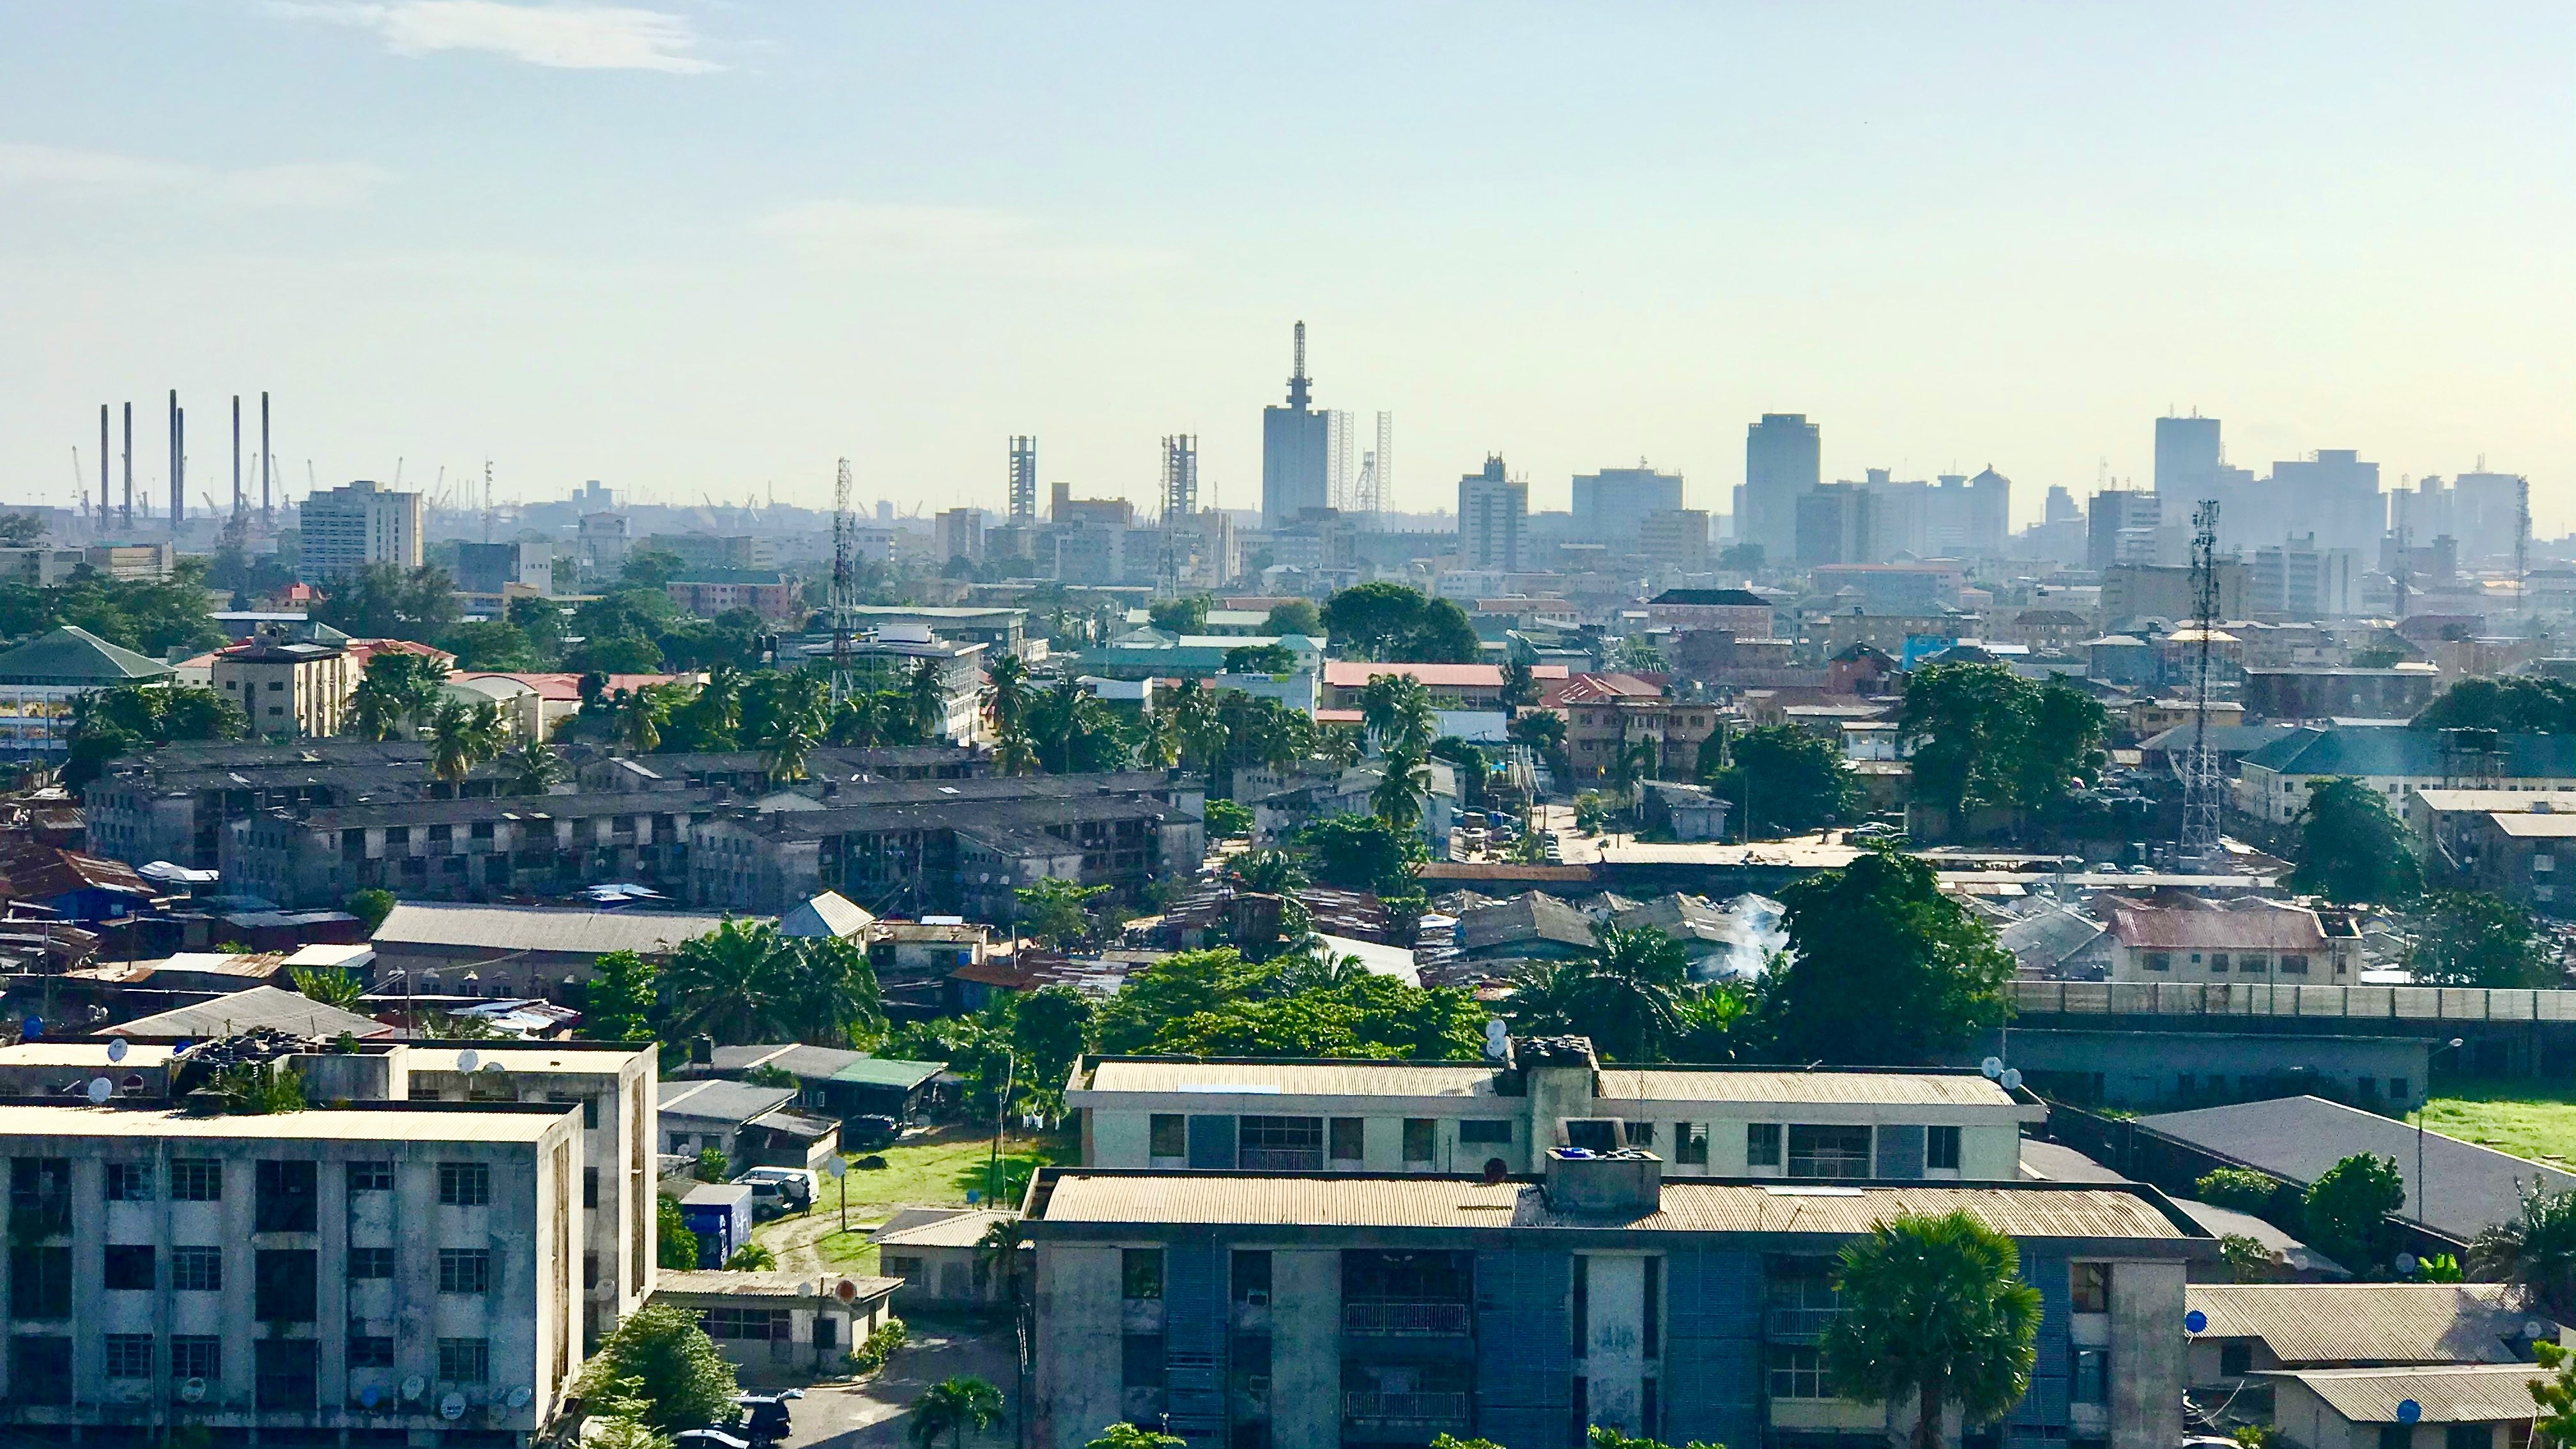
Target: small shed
x: 829, y: 914
x: 2479, y: 1406
x: 781, y: 1326
x: 241, y: 1011
x: 720, y: 1214
x: 939, y: 1254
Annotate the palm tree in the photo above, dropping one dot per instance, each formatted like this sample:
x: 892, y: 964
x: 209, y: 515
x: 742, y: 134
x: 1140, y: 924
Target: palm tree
x: 462, y: 736
x: 1270, y: 872
x: 999, y: 1251
x: 928, y: 693
x: 1199, y: 726
x: 1397, y: 710
x: 2535, y: 1251
x: 1630, y: 761
x: 737, y: 983
x: 1628, y: 996
x: 1337, y: 745
x: 375, y: 712
x: 533, y: 769
x: 1398, y: 798
x: 855, y: 724
x: 639, y: 719
x: 1933, y: 1309
x: 831, y: 990
x: 955, y: 1407
x: 1006, y: 705
x: 794, y: 725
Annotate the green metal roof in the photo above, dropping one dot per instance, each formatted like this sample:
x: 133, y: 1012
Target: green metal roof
x: 72, y: 655
x: 889, y: 1072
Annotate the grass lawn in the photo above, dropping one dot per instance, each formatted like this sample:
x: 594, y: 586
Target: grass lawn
x: 2528, y: 1119
x: 933, y: 1171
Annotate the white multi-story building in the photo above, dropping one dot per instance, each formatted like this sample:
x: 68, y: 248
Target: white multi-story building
x: 349, y: 528
x: 1491, y: 511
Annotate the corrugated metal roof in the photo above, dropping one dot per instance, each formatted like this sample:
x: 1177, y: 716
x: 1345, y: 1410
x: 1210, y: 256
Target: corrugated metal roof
x: 2191, y: 923
x: 722, y: 1101
x: 1687, y: 1207
x: 888, y: 1072
x: 1305, y: 1079
x: 1953, y: 1089
x: 957, y: 1230
x: 2326, y: 1324
x: 2534, y: 827
x: 242, y: 1010
x: 2485, y: 1394
x: 540, y: 928
x: 709, y: 1282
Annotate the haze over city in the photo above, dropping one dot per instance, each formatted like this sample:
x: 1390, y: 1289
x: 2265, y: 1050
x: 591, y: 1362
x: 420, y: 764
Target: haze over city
x: 696, y: 249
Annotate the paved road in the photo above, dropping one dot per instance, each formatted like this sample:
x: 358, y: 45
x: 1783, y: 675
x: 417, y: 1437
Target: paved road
x: 875, y: 1414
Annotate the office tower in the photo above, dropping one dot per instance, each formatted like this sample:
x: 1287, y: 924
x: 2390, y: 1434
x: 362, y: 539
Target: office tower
x: 1783, y: 458
x: 1611, y: 506
x: 349, y: 528
x: 958, y: 533
x: 1293, y: 453
x: 2187, y: 459
x: 1024, y: 480
x: 2061, y: 506
x: 1676, y: 538
x: 2486, y: 514
x: 1491, y: 508
x: 1835, y: 523
x: 2333, y: 493
x: 2119, y: 517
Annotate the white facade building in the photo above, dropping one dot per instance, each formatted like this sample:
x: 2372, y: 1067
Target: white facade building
x: 349, y: 528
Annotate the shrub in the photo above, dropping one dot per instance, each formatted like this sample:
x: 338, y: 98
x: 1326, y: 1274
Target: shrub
x: 2238, y: 1188
x: 751, y: 1258
x: 881, y: 1344
x: 711, y: 1164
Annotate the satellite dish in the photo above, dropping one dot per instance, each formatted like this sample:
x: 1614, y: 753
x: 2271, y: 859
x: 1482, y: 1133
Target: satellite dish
x: 1495, y: 1030
x: 2195, y: 1322
x: 32, y: 1028
x: 838, y: 1166
x: 1992, y: 1066
x: 100, y: 1089
x: 520, y: 1395
x: 2405, y: 1263
x: 369, y: 1396
x: 489, y: 1067
x: 116, y: 1050
x: 2011, y: 1079
x: 804, y: 1290
x: 846, y: 1291
x: 413, y: 1385
x: 2534, y: 1329
x: 452, y: 1407
x: 2409, y: 1411
x: 193, y: 1390
x: 468, y: 1059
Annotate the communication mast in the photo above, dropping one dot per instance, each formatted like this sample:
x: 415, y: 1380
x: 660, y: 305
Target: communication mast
x: 2204, y: 787
x: 844, y: 601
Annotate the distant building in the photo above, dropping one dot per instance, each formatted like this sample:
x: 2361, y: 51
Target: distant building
x: 2298, y: 580
x: 2187, y: 461
x: 1783, y: 459
x: 2249, y: 940
x: 1295, y: 452
x: 490, y: 568
x: 1747, y: 613
x: 1676, y: 538
x: 2140, y: 591
x: 712, y: 551
x: 1832, y: 525
x: 2399, y: 692
x: 42, y: 678
x: 1491, y: 510
x: 1612, y: 506
x: 2275, y: 781
x: 707, y: 593
x: 1892, y: 588
x: 2122, y: 528
x: 349, y: 528
x: 958, y: 533
x: 287, y: 688
x: 601, y: 542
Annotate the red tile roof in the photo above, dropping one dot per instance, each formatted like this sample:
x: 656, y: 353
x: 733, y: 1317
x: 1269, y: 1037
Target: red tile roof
x: 1355, y: 674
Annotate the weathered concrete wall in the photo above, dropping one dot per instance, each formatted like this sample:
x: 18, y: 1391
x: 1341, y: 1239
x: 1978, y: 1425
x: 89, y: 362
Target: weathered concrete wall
x: 2147, y: 1355
x: 1614, y: 1361
x: 1305, y: 1346
x: 1075, y: 1389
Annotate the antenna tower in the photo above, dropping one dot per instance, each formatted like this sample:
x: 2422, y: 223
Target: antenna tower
x: 2204, y: 787
x: 844, y: 601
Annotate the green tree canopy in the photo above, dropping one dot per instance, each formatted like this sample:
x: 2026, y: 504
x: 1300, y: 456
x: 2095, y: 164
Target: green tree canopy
x: 2515, y: 704
x: 1259, y: 659
x: 1389, y: 621
x: 954, y: 1407
x: 1882, y: 968
x: 1934, y: 1311
x: 129, y: 719
x: 744, y: 982
x: 1294, y: 616
x: 1056, y: 911
x: 617, y: 1003
x: 2535, y: 1250
x: 2351, y: 848
x: 662, y: 1356
x: 1360, y: 853
x: 1984, y: 736
x: 2347, y: 1209
x: 1215, y: 1003
x: 2471, y: 938
x: 388, y: 601
x: 1626, y: 996
x: 1187, y: 615
x: 1781, y: 780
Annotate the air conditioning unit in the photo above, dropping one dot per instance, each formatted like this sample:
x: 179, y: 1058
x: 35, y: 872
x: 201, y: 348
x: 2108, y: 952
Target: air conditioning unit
x: 1256, y: 1297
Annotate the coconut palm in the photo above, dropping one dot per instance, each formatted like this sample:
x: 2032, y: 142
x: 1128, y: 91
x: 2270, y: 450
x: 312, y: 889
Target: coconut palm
x: 855, y: 723
x: 1628, y: 996
x: 1630, y: 762
x: 736, y: 984
x: 999, y: 1251
x: 792, y: 726
x: 639, y: 718
x: 1397, y: 711
x: 928, y: 695
x: 462, y: 736
x: 1337, y: 745
x: 1933, y: 1310
x: 1270, y: 872
x: 1398, y: 798
x: 955, y: 1407
x: 2535, y: 1251
x: 532, y: 768
x: 1199, y: 726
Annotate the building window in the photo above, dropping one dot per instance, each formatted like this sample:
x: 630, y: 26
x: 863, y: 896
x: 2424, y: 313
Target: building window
x: 367, y: 1263
x: 1168, y: 1135
x: 129, y: 1182
x: 286, y: 1376
x: 1250, y: 1276
x: 284, y: 1290
x: 2397, y: 1090
x: 283, y: 1197
x: 2092, y: 1377
x: 2159, y: 961
x: 2250, y: 964
x: 464, y: 1184
x: 1281, y: 1144
x: 464, y: 1360
x: 2218, y: 964
x: 589, y: 1271
x: 1828, y: 1150
x: 1140, y: 1274
x: 1348, y: 1133
x: 2235, y: 1359
x: 40, y: 1369
x: 197, y: 1270
x: 758, y: 1325
x: 1140, y: 1361
x: 1797, y: 1372
x: 1762, y: 1144
x: 464, y: 1270
x: 1485, y: 1131
x: 1421, y: 1135
x: 40, y: 1282
x: 1941, y: 1148
x: 908, y: 1269
x: 2092, y: 1288
x: 196, y: 1356
x: 129, y: 1269
x: 371, y: 1350
x: 1641, y: 1134
x: 129, y: 1355
x: 2294, y: 965
x: 1690, y: 1143
x: 196, y: 1180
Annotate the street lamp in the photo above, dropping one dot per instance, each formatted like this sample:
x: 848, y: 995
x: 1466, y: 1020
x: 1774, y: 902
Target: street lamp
x: 2452, y: 1045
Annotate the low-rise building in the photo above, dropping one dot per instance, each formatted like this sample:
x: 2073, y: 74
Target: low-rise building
x: 454, y: 949
x: 781, y: 1327
x: 753, y: 1126
x: 2468, y: 1407
x: 173, y: 803
x: 708, y: 592
x: 465, y: 850
x: 2274, y: 782
x: 1747, y: 614
x: 2188, y: 938
x: 287, y: 688
x: 1295, y: 1309
x: 2258, y: 1328
x: 1451, y: 686
x: 830, y: 1081
x: 1461, y: 1117
x: 2398, y: 692
x: 41, y: 679
x: 942, y: 1257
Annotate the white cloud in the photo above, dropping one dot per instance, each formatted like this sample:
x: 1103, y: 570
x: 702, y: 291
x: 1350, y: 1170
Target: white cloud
x: 568, y: 36
x: 898, y: 234
x: 110, y: 174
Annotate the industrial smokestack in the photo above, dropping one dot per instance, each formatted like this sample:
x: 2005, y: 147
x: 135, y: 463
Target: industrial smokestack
x: 264, y: 458
x: 129, y: 465
x: 178, y: 464
x: 102, y: 467
x: 237, y: 455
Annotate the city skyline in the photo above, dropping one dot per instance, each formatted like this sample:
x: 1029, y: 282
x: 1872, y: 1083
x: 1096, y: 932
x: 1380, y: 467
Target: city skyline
x: 696, y: 250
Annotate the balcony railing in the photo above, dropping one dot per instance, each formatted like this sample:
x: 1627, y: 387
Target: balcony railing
x: 1802, y: 1323
x: 1282, y: 1159
x: 1404, y: 1316
x: 1430, y: 1410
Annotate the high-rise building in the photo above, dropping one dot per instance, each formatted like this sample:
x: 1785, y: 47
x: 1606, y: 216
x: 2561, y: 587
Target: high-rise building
x: 2119, y: 517
x: 958, y: 533
x: 349, y: 528
x: 1783, y: 458
x: 2061, y: 506
x: 1295, y: 466
x: 1024, y: 480
x: 2332, y: 493
x: 2487, y: 513
x: 1677, y: 538
x: 1835, y: 524
x: 2187, y: 458
x: 1341, y: 480
x: 1612, y: 505
x: 1491, y: 508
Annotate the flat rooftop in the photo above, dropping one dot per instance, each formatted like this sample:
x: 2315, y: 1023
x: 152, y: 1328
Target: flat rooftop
x: 417, y: 1124
x: 1749, y: 1086
x: 1153, y: 1199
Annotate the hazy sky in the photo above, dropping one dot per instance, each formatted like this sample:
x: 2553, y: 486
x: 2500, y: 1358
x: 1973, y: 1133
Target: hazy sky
x: 690, y: 247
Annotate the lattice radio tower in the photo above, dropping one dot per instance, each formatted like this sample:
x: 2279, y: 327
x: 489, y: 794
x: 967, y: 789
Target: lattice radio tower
x: 844, y: 601
x: 2204, y: 786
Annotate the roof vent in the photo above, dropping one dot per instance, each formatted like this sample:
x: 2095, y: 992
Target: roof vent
x: 2540, y: 807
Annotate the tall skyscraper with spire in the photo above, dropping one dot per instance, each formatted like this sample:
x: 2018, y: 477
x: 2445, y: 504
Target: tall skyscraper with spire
x: 1295, y: 460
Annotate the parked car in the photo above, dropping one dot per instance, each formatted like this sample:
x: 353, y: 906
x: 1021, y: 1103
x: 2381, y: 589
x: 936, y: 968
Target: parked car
x: 776, y: 1191
x: 765, y: 1418
x: 860, y: 1134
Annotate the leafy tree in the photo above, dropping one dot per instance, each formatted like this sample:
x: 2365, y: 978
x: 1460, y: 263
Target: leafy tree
x: 370, y: 906
x: 662, y: 1356
x: 1388, y: 621
x: 1293, y: 616
x: 955, y: 1407
x: 744, y: 982
x: 791, y: 723
x: 126, y: 718
x: 712, y: 1165
x: 1984, y: 736
x: 2515, y: 704
x: 1180, y: 616
x: 388, y: 601
x: 1626, y: 995
x: 2535, y: 1250
x: 1128, y: 1436
x: 1542, y: 730
x: 398, y: 690
x: 616, y: 654
x: 751, y: 1258
x: 2555, y: 1395
x: 2351, y: 848
x: 650, y: 568
x: 639, y: 714
x: 540, y: 620
x: 21, y: 530
x: 1934, y: 1310
x: 1051, y: 1027
x: 617, y: 1001
x: 709, y: 721
x: 2470, y: 938
x: 2248, y: 1261
x: 1183, y: 984
x: 1259, y: 659
x: 492, y: 644
x: 1520, y: 685
x: 1271, y: 872
x: 1358, y: 1015
x: 2348, y: 1205
x: 1781, y: 780
x: 1602, y: 1436
x: 1360, y: 853
x: 1228, y: 820
x: 1882, y: 967
x: 1071, y: 733
x: 329, y: 986
x: 1052, y: 911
